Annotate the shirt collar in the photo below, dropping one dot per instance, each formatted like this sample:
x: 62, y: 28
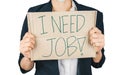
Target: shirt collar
x: 73, y: 8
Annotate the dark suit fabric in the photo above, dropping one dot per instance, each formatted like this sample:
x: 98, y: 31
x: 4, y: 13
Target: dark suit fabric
x: 50, y: 67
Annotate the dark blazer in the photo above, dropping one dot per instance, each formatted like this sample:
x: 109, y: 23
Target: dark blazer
x: 50, y: 67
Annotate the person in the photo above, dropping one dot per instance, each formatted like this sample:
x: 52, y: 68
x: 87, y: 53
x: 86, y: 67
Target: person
x: 78, y: 66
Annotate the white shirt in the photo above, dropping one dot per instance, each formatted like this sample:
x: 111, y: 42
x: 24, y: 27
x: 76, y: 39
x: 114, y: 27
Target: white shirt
x: 68, y: 66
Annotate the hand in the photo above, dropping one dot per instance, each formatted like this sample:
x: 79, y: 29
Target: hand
x: 96, y: 39
x: 27, y: 44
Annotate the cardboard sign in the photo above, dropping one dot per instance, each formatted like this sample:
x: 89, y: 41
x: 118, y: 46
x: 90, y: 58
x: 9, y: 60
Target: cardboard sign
x: 61, y: 35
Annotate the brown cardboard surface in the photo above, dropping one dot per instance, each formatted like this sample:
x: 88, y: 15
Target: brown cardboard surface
x: 61, y: 35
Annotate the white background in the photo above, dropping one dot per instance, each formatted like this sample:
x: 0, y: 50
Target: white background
x: 12, y: 14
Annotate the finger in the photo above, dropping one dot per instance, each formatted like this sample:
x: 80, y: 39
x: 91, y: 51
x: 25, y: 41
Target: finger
x: 25, y: 50
x: 93, y: 36
x: 94, y: 30
x: 97, y: 44
x: 97, y: 30
x: 32, y: 41
x: 97, y: 49
x: 24, y: 44
x: 30, y: 45
x: 26, y: 35
x: 27, y: 40
x: 29, y: 35
x: 96, y: 36
x: 96, y: 41
x: 32, y: 36
x: 91, y: 31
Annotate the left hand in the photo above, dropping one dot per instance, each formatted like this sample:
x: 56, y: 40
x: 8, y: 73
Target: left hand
x: 96, y: 39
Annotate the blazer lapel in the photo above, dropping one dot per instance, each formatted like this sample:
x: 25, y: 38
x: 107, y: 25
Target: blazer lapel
x: 79, y: 7
x: 47, y: 7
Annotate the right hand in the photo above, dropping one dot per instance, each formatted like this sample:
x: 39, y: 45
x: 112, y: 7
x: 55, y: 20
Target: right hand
x: 27, y: 44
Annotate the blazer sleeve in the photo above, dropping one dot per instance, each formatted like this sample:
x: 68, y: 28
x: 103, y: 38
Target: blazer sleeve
x: 24, y: 30
x: 100, y: 25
